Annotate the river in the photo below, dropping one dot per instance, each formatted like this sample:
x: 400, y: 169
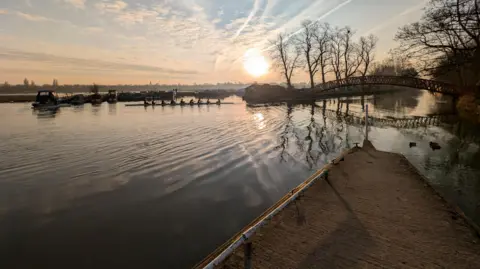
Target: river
x: 133, y: 187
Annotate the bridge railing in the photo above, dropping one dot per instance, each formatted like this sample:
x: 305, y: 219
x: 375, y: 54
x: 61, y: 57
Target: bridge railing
x: 418, y: 83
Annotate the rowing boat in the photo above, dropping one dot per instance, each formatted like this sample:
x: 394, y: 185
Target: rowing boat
x: 167, y: 104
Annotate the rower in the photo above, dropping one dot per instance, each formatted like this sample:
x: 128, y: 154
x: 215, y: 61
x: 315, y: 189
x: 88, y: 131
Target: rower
x: 199, y: 102
x: 172, y: 102
x: 153, y: 102
x: 192, y: 102
x: 163, y: 102
x: 145, y: 103
x: 182, y: 103
x: 208, y: 101
x: 218, y: 102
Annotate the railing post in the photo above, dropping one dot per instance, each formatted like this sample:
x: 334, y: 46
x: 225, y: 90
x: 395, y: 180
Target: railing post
x: 247, y: 248
x: 366, y: 122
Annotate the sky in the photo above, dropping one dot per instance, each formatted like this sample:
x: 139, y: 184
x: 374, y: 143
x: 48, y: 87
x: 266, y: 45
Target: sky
x: 170, y: 41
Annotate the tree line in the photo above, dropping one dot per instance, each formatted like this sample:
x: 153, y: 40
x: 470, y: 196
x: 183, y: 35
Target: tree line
x: 443, y: 45
x: 320, y: 49
x: 31, y: 83
x: 445, y: 42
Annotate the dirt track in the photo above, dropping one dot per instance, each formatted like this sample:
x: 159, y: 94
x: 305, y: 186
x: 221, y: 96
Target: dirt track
x: 374, y: 211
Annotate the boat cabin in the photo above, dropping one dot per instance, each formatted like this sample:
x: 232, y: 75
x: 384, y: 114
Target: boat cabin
x: 112, y: 96
x: 46, y: 97
x: 112, y: 93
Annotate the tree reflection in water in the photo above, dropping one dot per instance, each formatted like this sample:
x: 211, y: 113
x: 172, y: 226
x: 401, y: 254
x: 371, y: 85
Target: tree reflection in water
x: 313, y: 134
x: 324, y: 135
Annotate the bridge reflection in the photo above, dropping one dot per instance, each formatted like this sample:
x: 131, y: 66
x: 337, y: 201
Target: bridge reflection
x: 327, y: 131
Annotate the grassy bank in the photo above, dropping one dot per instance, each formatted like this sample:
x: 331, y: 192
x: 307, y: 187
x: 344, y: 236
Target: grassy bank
x: 468, y: 107
x: 17, y: 98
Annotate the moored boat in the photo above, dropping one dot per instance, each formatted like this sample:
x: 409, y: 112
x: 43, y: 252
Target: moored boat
x: 46, y: 100
x: 96, y: 99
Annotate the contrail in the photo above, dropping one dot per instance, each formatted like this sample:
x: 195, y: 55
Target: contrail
x: 328, y: 13
x: 390, y: 21
x: 256, y: 7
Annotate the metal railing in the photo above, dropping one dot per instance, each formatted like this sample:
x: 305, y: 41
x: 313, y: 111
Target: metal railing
x: 243, y: 237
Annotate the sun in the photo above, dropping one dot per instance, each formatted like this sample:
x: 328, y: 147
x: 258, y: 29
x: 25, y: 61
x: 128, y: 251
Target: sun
x: 254, y: 63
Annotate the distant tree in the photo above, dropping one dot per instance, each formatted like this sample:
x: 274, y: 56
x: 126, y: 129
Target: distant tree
x: 285, y: 56
x: 6, y: 84
x: 394, y: 65
x: 94, y: 88
x: 32, y: 83
x: 409, y: 72
x: 55, y: 83
x: 25, y: 82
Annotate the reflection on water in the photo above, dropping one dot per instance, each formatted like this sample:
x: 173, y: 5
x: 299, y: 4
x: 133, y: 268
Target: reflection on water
x: 112, y: 109
x: 115, y: 186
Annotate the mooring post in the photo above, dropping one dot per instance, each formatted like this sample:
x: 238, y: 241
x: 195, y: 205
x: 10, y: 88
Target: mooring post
x: 366, y: 122
x: 247, y: 247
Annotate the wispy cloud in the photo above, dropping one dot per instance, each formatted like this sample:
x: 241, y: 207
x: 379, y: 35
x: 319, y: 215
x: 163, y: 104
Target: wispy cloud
x: 253, y: 12
x: 397, y: 18
x: 91, y: 64
x: 32, y: 17
x: 76, y: 3
x: 111, y: 6
x: 94, y: 29
x: 136, y: 16
x: 207, y: 35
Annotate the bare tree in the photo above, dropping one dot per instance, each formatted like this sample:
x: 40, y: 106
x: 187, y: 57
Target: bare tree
x: 367, y: 47
x: 345, y: 53
x: 351, y: 53
x: 306, y: 41
x: 322, y: 38
x: 25, y: 82
x: 446, y: 38
x: 285, y: 57
x: 336, y: 52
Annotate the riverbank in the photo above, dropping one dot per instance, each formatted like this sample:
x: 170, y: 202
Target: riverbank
x: 266, y: 93
x: 373, y: 209
x: 17, y: 98
x: 132, y: 96
x: 468, y: 107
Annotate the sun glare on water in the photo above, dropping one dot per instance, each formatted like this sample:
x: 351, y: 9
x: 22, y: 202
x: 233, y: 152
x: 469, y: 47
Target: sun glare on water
x: 254, y: 63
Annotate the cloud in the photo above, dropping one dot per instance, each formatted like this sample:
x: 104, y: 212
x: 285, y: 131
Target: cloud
x: 86, y: 64
x: 256, y: 7
x: 162, y: 9
x: 94, y: 29
x: 397, y: 18
x: 32, y: 17
x: 111, y: 6
x: 76, y: 3
x: 135, y: 16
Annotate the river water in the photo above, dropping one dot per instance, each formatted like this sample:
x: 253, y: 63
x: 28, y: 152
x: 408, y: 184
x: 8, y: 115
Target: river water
x: 129, y: 187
